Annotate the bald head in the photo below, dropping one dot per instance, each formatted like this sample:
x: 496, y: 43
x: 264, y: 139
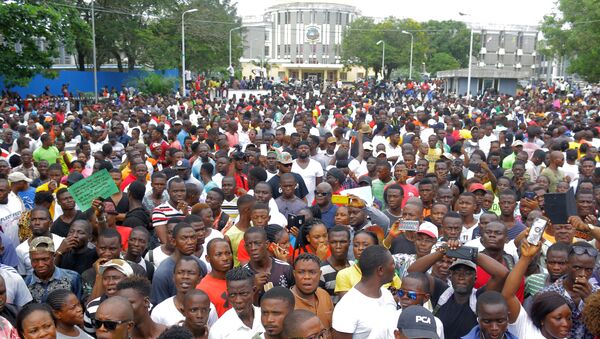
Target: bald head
x: 324, y: 187
x: 301, y: 324
x: 115, y: 308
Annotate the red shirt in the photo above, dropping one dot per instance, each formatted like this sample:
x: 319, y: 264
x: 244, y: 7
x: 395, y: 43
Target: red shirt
x: 483, y: 277
x: 217, y: 293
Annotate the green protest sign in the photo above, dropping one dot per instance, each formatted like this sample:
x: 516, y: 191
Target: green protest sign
x: 98, y: 185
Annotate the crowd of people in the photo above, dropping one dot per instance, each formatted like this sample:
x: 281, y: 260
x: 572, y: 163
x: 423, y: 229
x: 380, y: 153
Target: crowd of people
x: 375, y: 210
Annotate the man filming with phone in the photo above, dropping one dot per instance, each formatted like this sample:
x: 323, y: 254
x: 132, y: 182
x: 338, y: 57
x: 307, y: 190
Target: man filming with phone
x: 457, y: 303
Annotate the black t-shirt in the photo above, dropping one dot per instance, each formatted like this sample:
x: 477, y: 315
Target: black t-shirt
x: 59, y: 227
x: 79, y: 261
x: 301, y: 190
x: 402, y: 245
x: 462, y: 318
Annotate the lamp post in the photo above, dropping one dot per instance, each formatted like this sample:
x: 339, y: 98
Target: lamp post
x: 91, y: 2
x: 412, y: 40
x: 231, y: 31
x: 183, y: 49
x: 382, y: 59
x: 470, y: 60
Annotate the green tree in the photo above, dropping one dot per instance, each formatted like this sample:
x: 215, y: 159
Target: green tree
x: 442, y: 62
x: 359, y: 44
x: 32, y: 34
x: 574, y: 32
x: 450, y: 37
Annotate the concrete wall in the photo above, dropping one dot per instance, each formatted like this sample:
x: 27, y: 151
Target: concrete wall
x: 84, y: 81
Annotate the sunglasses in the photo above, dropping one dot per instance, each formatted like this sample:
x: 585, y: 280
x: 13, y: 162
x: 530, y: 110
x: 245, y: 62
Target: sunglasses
x: 580, y: 250
x: 410, y: 294
x: 321, y: 194
x: 286, y: 165
x: 109, y: 325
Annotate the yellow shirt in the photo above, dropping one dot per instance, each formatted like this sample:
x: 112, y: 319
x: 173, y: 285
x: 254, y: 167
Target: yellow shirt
x: 350, y: 276
x: 235, y: 236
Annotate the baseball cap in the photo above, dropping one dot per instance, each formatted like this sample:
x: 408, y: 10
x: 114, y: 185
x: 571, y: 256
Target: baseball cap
x: 417, y: 322
x: 448, y: 156
x: 331, y: 140
x: 368, y: 146
x: 517, y: 143
x: 464, y: 262
x: 18, y: 176
x: 428, y: 229
x: 365, y: 178
x: 118, y: 264
x: 285, y: 158
x: 476, y: 187
x: 177, y: 122
x: 41, y: 244
x: 154, y: 146
x: 380, y: 153
x: 182, y: 164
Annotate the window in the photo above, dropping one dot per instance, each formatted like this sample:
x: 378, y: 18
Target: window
x: 313, y: 14
x: 287, y: 49
x: 360, y: 75
x: 330, y: 75
x: 278, y: 49
x: 343, y: 76
x: 286, y: 17
x: 266, y: 50
x: 325, y: 49
x: 327, y: 17
x: 339, y: 18
x: 299, y: 16
x: 281, y: 75
x: 278, y: 17
x: 313, y: 48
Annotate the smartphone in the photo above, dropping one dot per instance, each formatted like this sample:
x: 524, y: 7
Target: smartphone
x: 536, y: 231
x: 412, y: 172
x: 409, y: 225
x: 340, y: 199
x: 463, y: 252
x: 529, y: 195
x: 295, y: 221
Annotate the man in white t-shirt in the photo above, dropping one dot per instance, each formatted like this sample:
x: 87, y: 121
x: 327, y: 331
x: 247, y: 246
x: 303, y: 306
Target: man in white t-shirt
x: 243, y: 319
x: 365, y: 310
x: 11, y: 208
x: 310, y: 170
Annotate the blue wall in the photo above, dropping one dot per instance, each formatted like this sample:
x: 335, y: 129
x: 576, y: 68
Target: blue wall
x: 507, y: 86
x: 83, y: 81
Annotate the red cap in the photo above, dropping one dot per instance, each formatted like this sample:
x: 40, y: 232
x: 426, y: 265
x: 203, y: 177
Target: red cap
x: 476, y: 187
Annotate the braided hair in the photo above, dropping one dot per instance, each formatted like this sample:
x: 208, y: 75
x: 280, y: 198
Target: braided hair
x: 57, y: 299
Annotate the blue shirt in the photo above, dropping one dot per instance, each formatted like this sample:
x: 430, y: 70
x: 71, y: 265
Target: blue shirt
x: 181, y: 137
x: 476, y: 334
x: 9, y: 255
x: 328, y: 216
x: 163, y: 286
x: 61, y: 279
x: 27, y: 197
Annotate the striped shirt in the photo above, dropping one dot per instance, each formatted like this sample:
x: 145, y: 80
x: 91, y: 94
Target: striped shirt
x: 535, y: 283
x: 230, y: 207
x: 163, y: 212
x: 90, y: 313
x: 327, y: 280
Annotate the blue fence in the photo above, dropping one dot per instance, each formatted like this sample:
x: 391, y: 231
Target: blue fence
x: 83, y: 81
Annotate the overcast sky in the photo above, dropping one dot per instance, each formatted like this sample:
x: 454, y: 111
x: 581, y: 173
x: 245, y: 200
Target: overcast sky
x: 522, y: 12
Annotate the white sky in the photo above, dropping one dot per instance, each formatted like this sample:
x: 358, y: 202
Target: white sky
x: 522, y: 12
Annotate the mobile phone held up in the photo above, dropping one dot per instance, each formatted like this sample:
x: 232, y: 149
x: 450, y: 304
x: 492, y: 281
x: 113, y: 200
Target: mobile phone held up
x: 536, y: 231
x: 463, y: 252
x: 295, y: 221
x: 409, y: 225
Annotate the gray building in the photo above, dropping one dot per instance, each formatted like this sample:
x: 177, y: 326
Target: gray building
x: 299, y: 40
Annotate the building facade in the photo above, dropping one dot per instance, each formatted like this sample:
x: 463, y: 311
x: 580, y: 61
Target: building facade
x: 299, y: 40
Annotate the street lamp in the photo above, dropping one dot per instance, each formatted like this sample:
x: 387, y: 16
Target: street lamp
x: 230, y: 31
x: 382, y: 59
x: 412, y: 40
x: 91, y: 2
x: 183, y: 49
x: 470, y: 60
